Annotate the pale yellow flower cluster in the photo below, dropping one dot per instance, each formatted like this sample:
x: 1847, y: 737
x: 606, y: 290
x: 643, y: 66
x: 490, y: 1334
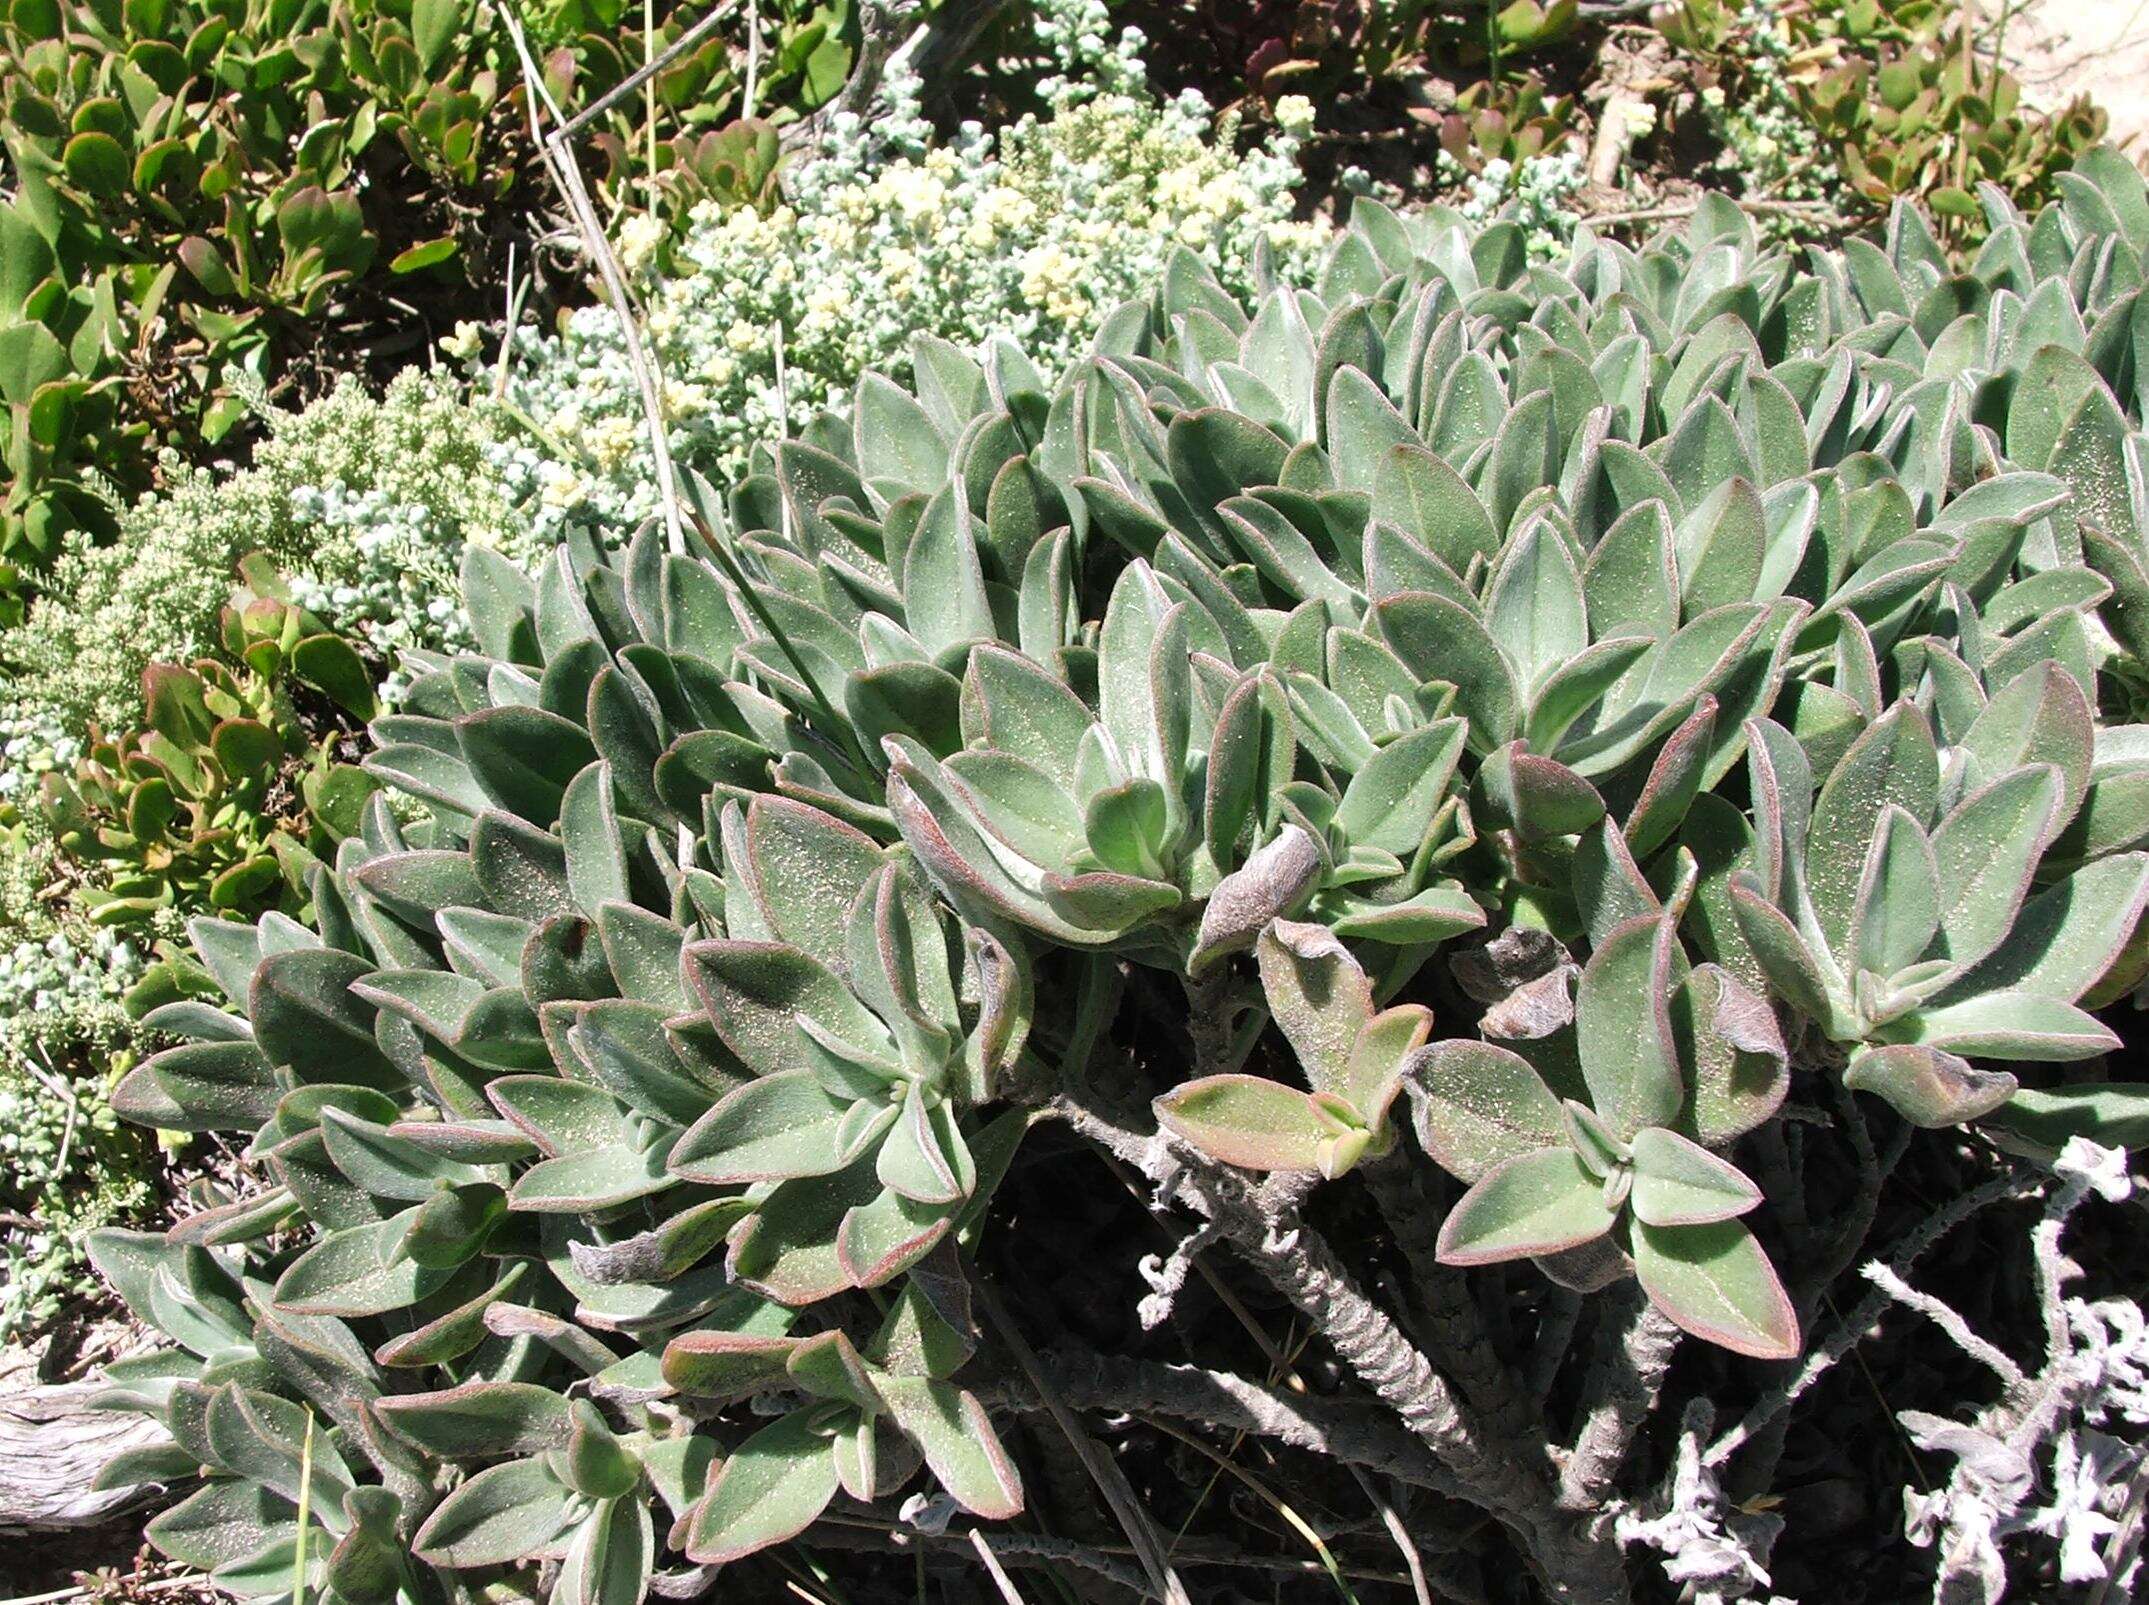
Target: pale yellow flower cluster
x: 639, y: 237
x: 1032, y: 233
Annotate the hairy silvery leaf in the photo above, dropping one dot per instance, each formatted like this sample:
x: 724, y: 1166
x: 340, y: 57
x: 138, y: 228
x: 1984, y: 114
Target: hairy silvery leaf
x: 1679, y: 1183
x: 1319, y: 997
x: 505, y: 1513
x: 1738, y: 1066
x: 1894, y: 763
x: 1623, y: 1027
x: 1715, y: 1282
x: 1478, y: 1105
x: 769, y: 1489
x: 1354, y: 1059
x: 480, y: 1420
x: 1260, y: 1125
x: 1540, y: 1202
x: 1448, y: 591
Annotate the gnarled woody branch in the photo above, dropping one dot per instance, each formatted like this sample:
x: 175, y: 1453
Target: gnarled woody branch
x: 1446, y: 1313
x: 1493, y: 1472
x: 1087, y: 1380
x: 1634, y: 1351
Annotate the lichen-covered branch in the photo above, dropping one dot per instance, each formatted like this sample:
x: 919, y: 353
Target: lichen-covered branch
x: 1497, y: 1474
x: 1359, y: 1435
x: 1634, y: 1350
x: 1854, y: 1327
x: 1999, y: 1476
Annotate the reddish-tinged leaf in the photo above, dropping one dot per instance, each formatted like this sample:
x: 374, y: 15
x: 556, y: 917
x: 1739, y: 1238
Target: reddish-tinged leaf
x: 1534, y: 1203
x: 1716, y: 1283
x: 1246, y: 1121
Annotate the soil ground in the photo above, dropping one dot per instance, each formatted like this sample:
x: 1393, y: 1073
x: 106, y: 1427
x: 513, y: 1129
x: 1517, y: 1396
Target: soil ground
x: 2099, y: 48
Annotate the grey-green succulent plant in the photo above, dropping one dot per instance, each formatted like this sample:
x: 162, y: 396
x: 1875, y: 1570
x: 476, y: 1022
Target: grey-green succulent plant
x: 1690, y: 671
x: 1611, y: 1149
x: 1915, y: 935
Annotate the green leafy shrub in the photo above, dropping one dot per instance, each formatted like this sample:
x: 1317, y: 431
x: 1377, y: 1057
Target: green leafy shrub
x: 1681, y: 664
x: 1865, y: 102
x: 1512, y: 121
x: 227, y: 798
x: 203, y: 191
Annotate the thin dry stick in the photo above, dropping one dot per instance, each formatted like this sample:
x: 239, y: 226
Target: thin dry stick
x: 1398, y: 1531
x: 642, y: 74
x: 56, y: 1084
x: 649, y: 99
x: 511, y: 319
x: 1000, y: 1579
x: 305, y: 1513
x: 783, y: 407
x: 559, y: 158
x: 160, y: 1585
x: 753, y: 54
x: 1268, y: 1496
x: 1818, y: 211
x: 1103, y: 1470
x: 1018, y: 1548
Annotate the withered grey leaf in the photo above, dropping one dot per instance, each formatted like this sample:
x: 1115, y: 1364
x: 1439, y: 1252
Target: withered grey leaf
x: 2000, y: 1466
x: 1587, y: 1267
x: 1534, y: 1009
x: 1929, y: 1086
x: 639, y: 1258
x: 1275, y: 879
x: 1519, y: 954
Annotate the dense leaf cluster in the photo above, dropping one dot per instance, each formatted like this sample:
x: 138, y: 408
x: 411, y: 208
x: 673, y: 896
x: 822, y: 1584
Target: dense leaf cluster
x: 1696, y: 653
x: 223, y: 801
x: 1874, y: 102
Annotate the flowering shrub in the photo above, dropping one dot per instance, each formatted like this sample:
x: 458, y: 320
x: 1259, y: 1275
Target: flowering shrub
x: 1531, y: 193
x: 363, y: 503
x: 366, y: 504
x: 65, y: 1162
x: 1030, y: 233
x: 1678, y: 667
x: 206, y: 192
